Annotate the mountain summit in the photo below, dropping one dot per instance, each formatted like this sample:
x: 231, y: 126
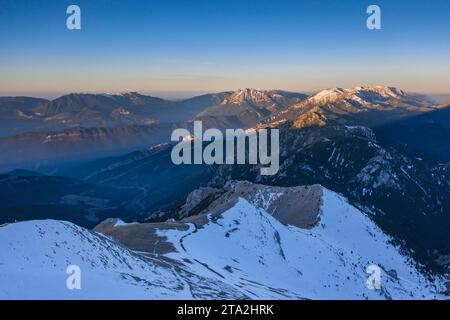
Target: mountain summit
x: 369, y: 94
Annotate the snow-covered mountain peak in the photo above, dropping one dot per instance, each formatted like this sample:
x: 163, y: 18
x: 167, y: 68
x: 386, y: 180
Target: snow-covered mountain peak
x: 364, y: 93
x: 248, y: 95
x: 388, y: 91
x: 327, y: 94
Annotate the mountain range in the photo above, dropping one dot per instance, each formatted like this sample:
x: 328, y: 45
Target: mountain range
x: 90, y: 125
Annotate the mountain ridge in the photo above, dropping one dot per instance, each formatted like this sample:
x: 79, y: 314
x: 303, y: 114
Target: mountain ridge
x: 260, y: 257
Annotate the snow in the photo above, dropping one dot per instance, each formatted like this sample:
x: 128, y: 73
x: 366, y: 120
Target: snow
x: 243, y: 253
x: 265, y: 200
x: 120, y: 223
x: 270, y: 260
x: 326, y: 95
x: 34, y: 257
x: 359, y: 95
x: 378, y: 172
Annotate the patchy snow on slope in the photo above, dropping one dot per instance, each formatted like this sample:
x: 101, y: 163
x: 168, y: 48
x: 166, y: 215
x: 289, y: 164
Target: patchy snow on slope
x: 120, y: 223
x: 266, y: 199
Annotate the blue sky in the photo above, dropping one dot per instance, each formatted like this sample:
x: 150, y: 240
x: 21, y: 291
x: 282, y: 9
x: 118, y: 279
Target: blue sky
x: 181, y: 47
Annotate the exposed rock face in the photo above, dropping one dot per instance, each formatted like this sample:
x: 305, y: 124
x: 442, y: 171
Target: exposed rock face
x: 198, y: 200
x: 141, y: 237
x: 297, y: 206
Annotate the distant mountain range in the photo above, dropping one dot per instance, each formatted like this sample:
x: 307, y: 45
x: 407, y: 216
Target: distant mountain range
x: 36, y: 133
x: 17, y: 114
x: 90, y: 125
x: 244, y: 107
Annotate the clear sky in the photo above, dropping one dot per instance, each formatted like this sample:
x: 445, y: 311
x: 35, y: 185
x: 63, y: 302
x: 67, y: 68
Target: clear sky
x: 180, y: 47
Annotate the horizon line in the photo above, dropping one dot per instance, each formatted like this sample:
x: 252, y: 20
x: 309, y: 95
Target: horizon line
x: 187, y: 94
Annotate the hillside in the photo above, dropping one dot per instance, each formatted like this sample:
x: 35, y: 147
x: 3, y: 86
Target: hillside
x: 259, y: 257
